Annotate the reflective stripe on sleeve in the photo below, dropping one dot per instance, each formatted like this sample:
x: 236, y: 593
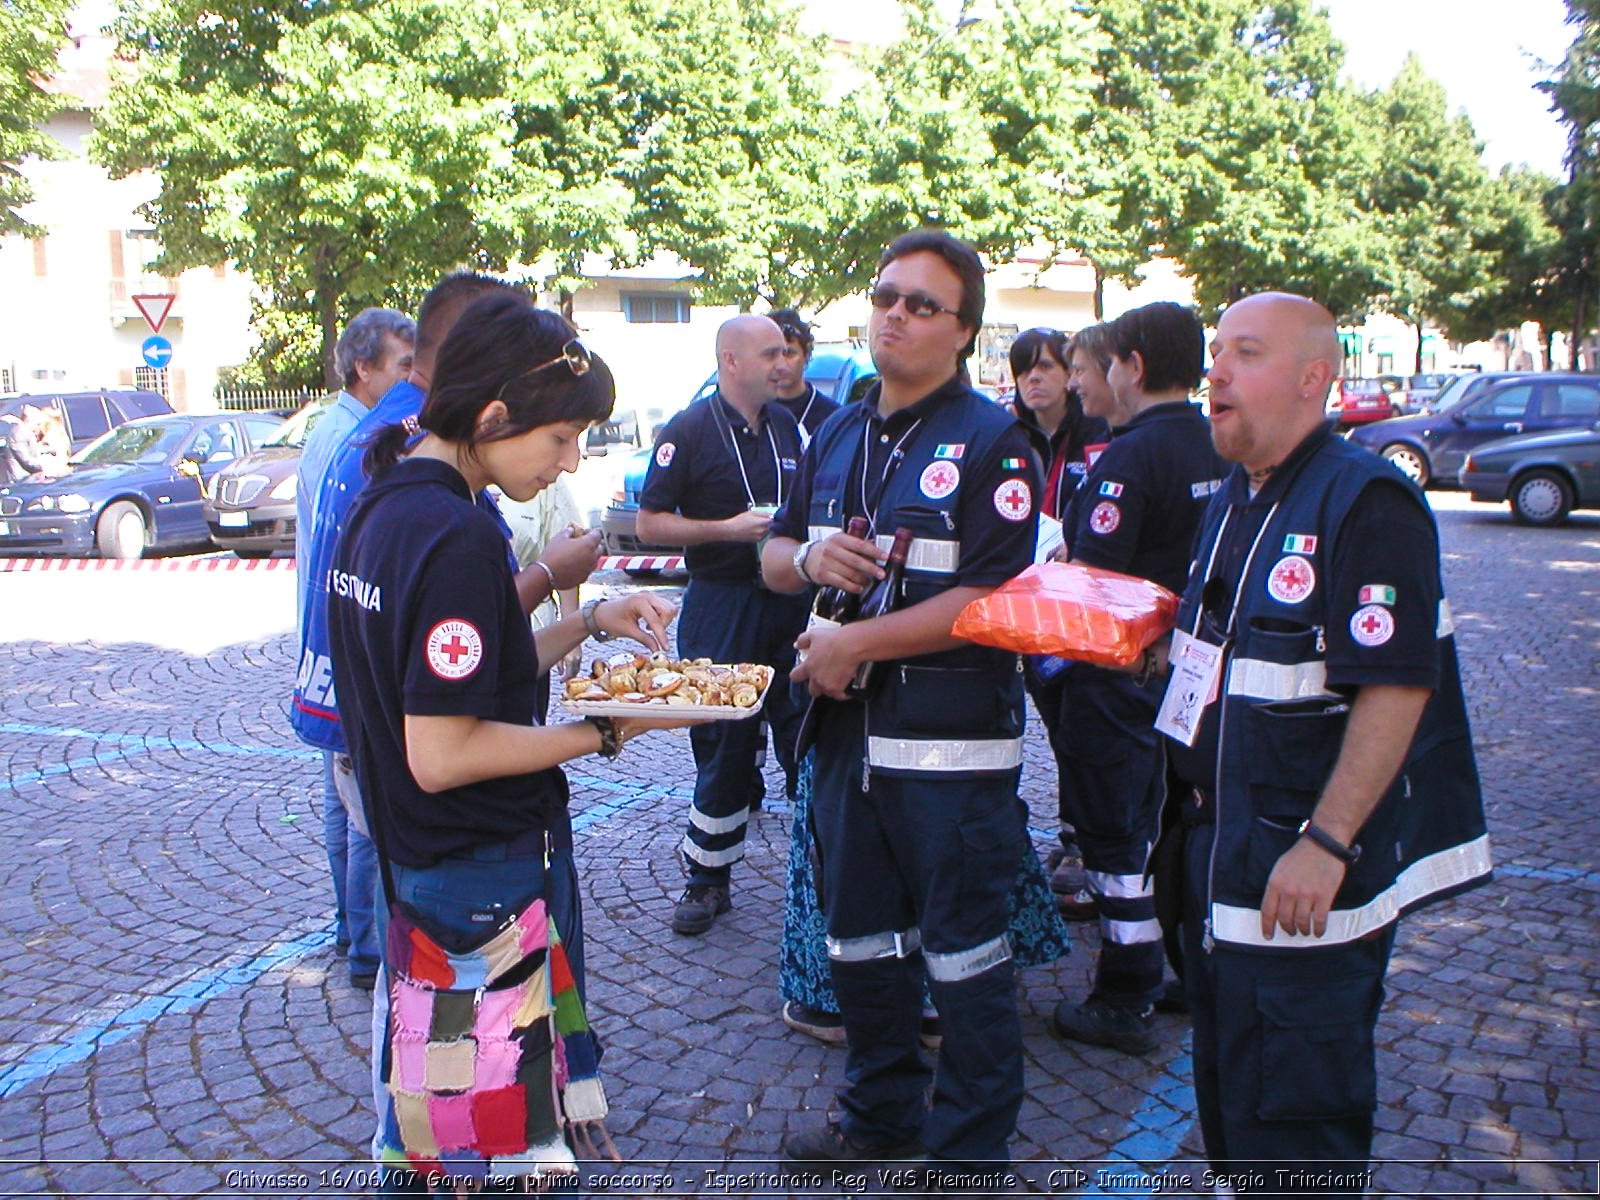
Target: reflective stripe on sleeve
x: 1447, y: 621
x: 937, y: 556
x: 964, y: 964
x: 815, y: 533
x: 939, y: 755
x: 898, y: 944
x: 1437, y: 873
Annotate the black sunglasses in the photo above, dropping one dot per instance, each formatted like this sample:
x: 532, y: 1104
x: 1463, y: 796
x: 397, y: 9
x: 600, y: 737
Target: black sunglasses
x: 885, y: 297
x: 574, y: 354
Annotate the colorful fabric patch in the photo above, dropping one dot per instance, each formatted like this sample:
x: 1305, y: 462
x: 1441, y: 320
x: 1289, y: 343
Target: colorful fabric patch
x: 939, y: 479
x: 500, y: 1116
x: 1376, y: 593
x: 1012, y: 464
x: 453, y: 1016
x: 449, y: 1066
x: 1091, y: 454
x: 664, y: 453
x: 452, y: 1121
x: 496, y: 1063
x: 454, y: 649
x: 411, y: 1007
x: 1105, y: 518
x: 409, y: 1058
x: 1114, y: 490
x: 950, y: 450
x: 412, y: 1114
x: 1291, y: 580
x: 1204, y: 488
x: 1372, y: 625
x: 1300, y: 543
x: 1013, y: 500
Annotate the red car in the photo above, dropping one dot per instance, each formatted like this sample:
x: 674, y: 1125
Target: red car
x: 1358, y: 401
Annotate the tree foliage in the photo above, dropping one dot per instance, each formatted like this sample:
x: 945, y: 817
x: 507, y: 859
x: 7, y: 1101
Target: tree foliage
x: 31, y: 34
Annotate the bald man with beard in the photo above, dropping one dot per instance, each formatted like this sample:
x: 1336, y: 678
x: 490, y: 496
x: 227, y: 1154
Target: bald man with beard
x: 721, y: 469
x: 1323, y: 781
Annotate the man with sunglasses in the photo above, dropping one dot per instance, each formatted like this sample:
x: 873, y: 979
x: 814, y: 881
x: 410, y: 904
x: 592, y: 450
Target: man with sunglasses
x: 1315, y: 721
x: 919, y: 828
x: 721, y: 468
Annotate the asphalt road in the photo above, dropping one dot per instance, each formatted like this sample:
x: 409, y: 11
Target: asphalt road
x: 173, y: 1022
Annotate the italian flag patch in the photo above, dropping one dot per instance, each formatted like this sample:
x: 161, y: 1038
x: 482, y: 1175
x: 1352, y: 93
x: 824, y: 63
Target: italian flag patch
x: 1300, y: 543
x: 1376, y: 593
x: 1012, y: 464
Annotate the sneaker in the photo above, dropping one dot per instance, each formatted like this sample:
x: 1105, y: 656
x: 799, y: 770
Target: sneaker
x: 827, y: 1144
x: 1174, y: 998
x: 701, y: 905
x: 931, y: 1034
x: 1101, y: 1024
x: 824, y: 1026
x: 1068, y: 877
x: 1079, y: 906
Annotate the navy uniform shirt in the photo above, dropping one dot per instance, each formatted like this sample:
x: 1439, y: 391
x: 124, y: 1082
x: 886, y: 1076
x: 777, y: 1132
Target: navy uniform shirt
x: 809, y: 409
x: 424, y: 620
x: 1139, y: 506
x: 710, y: 465
x: 993, y: 548
x: 1387, y: 556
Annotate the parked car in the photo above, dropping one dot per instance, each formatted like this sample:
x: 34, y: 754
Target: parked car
x: 1355, y: 401
x: 250, y: 504
x: 1544, y: 476
x: 87, y: 415
x: 1434, y: 447
x: 134, y: 490
x: 1423, y: 390
x: 840, y: 370
x: 1465, y: 387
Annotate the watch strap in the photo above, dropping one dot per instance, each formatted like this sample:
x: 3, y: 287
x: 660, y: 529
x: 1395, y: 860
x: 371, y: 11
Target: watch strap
x: 1325, y: 840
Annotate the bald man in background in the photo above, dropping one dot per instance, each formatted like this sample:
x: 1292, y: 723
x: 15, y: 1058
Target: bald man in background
x: 721, y: 469
x: 1324, y: 777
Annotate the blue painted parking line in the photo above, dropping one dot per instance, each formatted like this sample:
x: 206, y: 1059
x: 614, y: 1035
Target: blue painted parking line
x: 135, y: 1019
x: 147, y: 743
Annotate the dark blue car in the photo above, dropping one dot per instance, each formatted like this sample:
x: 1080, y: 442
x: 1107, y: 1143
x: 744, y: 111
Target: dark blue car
x: 132, y: 491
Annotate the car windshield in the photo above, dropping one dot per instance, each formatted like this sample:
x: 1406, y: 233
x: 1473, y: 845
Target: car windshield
x: 297, y: 428
x: 1454, y: 392
x: 137, y: 443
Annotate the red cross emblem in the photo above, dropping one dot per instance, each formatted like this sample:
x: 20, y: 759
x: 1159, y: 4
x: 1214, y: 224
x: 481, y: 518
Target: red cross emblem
x: 453, y: 649
x: 1372, y: 625
x: 1105, y: 518
x: 940, y: 479
x: 1013, y: 500
x: 1292, y: 580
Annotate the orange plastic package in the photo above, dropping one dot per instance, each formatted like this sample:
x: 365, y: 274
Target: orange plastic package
x: 1078, y: 612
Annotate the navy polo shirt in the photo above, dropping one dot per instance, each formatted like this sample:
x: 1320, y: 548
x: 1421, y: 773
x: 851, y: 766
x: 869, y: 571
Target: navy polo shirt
x: 809, y: 409
x: 1139, y: 506
x: 709, y: 464
x: 424, y: 621
x: 993, y: 549
x: 1386, y: 542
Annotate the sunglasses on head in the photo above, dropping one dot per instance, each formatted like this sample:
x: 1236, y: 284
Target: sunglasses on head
x: 574, y: 354
x: 885, y: 297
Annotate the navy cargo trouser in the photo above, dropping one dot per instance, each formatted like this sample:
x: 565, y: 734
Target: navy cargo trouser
x: 1285, y: 1073
x: 1111, y: 791
x: 730, y: 623
x: 914, y: 875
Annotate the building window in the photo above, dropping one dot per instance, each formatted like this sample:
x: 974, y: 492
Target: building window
x: 655, y: 308
x: 8, y: 382
x: 152, y: 379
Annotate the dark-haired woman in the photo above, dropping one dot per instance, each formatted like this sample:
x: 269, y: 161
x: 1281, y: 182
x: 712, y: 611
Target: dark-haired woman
x: 488, y: 1065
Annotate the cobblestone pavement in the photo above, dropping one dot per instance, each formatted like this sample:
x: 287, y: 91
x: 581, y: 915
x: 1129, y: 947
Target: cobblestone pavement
x: 173, y: 1021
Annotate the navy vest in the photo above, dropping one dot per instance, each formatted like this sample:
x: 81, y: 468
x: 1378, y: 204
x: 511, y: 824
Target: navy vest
x: 1282, y: 729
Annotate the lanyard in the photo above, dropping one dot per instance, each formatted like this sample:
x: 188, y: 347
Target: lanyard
x: 890, y: 466
x: 738, y: 456
x: 1244, y: 573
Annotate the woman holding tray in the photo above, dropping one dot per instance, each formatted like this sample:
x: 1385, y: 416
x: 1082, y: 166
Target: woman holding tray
x: 487, y: 1061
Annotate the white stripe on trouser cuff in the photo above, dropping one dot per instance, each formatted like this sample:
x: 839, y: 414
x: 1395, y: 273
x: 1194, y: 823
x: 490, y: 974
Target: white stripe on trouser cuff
x: 897, y: 944
x: 1437, y: 873
x: 1264, y: 680
x: 711, y: 858
x: 964, y: 964
x: 937, y: 754
x: 707, y: 824
x: 1118, y: 887
x: 937, y: 556
x: 1130, y: 933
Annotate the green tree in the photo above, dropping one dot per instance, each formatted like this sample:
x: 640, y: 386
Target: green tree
x: 31, y: 34
x: 1575, y: 97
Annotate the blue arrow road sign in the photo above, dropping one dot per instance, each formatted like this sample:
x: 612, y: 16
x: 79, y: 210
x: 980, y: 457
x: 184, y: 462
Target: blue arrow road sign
x: 157, y: 351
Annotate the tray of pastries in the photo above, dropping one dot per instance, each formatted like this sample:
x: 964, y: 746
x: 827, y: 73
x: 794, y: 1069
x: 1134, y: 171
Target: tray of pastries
x: 636, y: 685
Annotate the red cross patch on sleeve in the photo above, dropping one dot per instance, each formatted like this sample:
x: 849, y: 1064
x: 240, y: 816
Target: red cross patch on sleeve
x: 454, y: 649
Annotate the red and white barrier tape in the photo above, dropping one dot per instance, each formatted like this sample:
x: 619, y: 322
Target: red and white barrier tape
x: 641, y: 562
x: 217, y: 562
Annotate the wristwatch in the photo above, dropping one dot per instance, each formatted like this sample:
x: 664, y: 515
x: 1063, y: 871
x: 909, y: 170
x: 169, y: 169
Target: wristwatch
x: 800, y: 561
x: 610, y: 736
x: 589, y: 623
x: 1345, y: 854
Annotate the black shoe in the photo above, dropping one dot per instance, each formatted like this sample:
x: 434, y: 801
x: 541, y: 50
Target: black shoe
x: 826, y: 1144
x: 363, y: 981
x: 1067, y: 877
x: 1078, y: 906
x: 701, y: 905
x: 1173, y: 999
x: 1100, y: 1024
x: 824, y: 1026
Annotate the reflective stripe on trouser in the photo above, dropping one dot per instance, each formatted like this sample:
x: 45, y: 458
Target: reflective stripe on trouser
x: 1285, y: 1071
x: 937, y: 856
x: 1111, y: 788
x: 729, y: 622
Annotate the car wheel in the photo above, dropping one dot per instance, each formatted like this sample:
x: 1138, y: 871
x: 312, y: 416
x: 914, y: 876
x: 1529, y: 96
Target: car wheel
x: 1541, y: 498
x: 1413, y: 463
x: 253, y: 553
x: 120, y: 531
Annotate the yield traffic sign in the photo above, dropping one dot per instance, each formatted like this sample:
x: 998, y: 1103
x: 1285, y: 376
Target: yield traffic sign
x: 157, y: 351
x: 154, y: 309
